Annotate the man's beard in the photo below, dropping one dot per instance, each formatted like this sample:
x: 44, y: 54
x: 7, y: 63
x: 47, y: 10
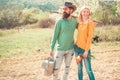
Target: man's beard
x: 66, y: 15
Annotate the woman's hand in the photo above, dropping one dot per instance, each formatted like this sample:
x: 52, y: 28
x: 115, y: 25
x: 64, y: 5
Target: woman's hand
x: 78, y: 59
x: 85, y: 55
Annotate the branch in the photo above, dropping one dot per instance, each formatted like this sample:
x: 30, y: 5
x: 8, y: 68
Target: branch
x: 72, y: 16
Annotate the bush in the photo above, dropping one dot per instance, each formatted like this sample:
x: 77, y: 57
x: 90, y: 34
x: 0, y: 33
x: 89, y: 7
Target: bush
x: 108, y: 33
x: 12, y: 18
x: 9, y: 19
x: 108, y: 12
x: 29, y: 16
x: 46, y: 23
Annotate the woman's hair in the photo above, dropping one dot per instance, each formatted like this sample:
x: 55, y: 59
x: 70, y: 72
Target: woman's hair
x: 82, y: 8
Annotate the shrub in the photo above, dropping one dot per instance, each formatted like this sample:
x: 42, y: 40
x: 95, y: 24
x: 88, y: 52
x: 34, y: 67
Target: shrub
x: 46, y: 23
x: 9, y: 19
x: 29, y: 16
x: 12, y: 18
x: 108, y: 33
x: 108, y: 12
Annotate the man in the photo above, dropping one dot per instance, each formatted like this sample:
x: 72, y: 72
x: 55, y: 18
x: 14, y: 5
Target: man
x: 64, y: 36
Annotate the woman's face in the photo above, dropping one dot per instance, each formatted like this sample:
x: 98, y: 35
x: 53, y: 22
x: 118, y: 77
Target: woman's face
x: 85, y: 13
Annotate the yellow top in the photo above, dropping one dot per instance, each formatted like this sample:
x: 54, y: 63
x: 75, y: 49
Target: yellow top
x: 85, y: 34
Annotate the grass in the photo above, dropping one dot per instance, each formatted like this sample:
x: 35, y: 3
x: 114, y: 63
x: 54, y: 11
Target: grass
x: 24, y: 42
x: 6, y: 32
x: 21, y: 50
x: 106, y: 65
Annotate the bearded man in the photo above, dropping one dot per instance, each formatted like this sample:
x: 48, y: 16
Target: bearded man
x: 64, y: 37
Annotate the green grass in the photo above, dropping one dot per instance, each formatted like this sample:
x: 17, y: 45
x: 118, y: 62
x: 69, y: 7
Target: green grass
x: 6, y: 32
x: 25, y: 42
x: 32, y: 40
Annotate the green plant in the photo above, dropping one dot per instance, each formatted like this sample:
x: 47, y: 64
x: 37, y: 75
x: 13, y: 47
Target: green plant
x: 108, y: 33
x: 46, y: 23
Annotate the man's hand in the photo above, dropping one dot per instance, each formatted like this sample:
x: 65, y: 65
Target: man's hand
x: 52, y: 53
x: 85, y: 55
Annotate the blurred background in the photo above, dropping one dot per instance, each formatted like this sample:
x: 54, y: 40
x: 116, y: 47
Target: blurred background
x: 26, y: 28
x: 15, y: 13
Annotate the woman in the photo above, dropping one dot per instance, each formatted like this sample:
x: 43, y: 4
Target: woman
x: 83, y: 42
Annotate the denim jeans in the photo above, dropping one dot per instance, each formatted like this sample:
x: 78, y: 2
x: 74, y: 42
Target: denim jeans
x: 59, y: 57
x: 87, y: 62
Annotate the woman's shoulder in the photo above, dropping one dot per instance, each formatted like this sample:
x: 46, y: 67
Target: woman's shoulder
x: 91, y: 21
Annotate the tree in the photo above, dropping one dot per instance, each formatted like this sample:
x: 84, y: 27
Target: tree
x: 109, y: 14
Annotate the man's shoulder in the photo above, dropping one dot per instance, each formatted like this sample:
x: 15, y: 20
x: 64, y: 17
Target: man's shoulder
x: 75, y: 19
x: 59, y: 20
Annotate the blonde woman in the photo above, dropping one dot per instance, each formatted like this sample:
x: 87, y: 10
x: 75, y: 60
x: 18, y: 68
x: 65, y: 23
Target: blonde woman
x: 83, y: 42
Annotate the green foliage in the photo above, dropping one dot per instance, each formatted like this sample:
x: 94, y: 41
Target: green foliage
x: 16, y: 13
x: 46, y: 23
x: 108, y: 33
x: 32, y: 15
x: 48, y: 6
x: 98, y: 14
x: 43, y: 5
x: 29, y: 16
x: 9, y: 19
x: 21, y: 12
x: 118, y: 8
x: 107, y: 12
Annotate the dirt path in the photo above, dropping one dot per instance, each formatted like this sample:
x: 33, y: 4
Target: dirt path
x: 106, y: 66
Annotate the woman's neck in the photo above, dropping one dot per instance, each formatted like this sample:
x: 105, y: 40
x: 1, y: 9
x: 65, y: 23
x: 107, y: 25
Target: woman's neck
x: 85, y: 20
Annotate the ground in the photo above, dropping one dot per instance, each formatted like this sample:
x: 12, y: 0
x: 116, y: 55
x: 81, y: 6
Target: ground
x: 106, y: 65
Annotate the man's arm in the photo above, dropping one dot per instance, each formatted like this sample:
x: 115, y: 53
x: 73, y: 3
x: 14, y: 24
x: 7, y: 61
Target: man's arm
x: 55, y: 36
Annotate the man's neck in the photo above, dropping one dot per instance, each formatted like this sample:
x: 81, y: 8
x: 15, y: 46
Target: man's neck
x: 69, y: 17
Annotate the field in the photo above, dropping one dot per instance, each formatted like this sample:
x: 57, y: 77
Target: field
x: 23, y: 51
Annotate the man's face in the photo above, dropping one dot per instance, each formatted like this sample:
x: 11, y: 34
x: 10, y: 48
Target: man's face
x: 67, y: 10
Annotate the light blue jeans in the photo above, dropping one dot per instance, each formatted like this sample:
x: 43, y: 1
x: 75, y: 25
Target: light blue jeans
x: 87, y: 62
x: 59, y: 57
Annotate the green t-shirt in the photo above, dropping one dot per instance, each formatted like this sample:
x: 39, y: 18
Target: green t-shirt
x: 64, y: 34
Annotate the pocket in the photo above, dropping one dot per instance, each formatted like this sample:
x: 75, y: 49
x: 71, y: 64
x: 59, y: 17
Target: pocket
x: 78, y: 50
